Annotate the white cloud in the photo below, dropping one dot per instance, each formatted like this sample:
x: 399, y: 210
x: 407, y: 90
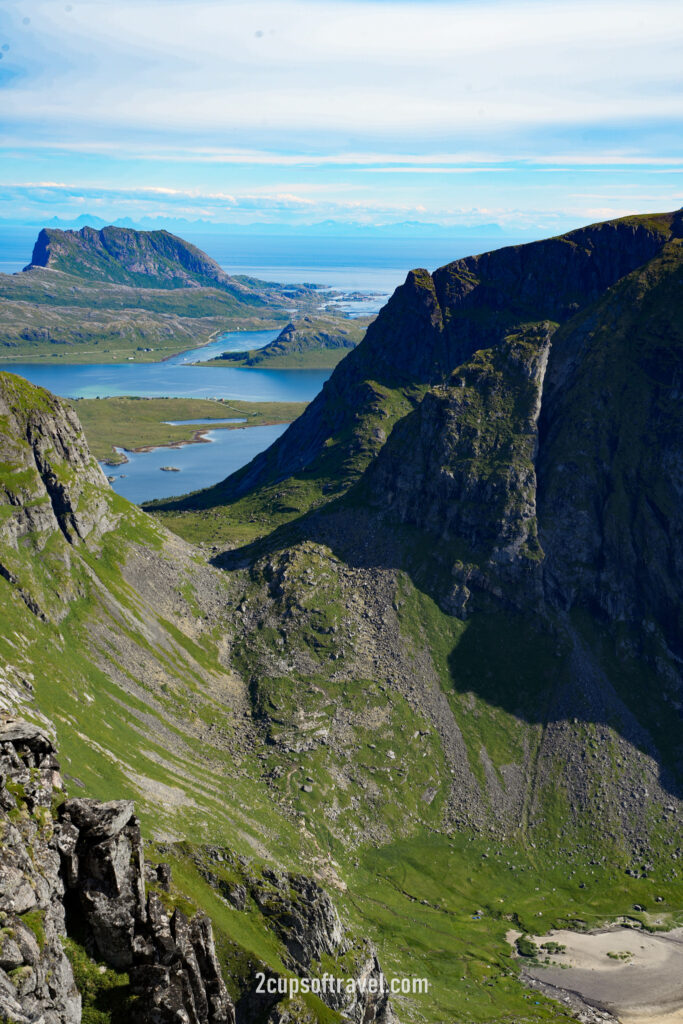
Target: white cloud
x: 324, y: 66
x: 142, y: 199
x: 316, y: 108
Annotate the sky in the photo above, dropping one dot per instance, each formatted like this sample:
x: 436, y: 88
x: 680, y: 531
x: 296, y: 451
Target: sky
x: 536, y: 116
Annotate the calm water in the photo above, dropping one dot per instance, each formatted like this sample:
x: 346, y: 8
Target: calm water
x: 177, y: 378
x: 377, y: 265
x: 201, y: 465
x: 231, y: 341
x: 159, y: 380
x: 202, y: 423
x: 367, y: 265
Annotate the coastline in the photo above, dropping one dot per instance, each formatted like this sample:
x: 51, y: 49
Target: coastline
x: 624, y: 974
x: 199, y: 437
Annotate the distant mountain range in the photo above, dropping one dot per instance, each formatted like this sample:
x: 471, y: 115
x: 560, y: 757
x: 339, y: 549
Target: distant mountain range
x: 332, y: 228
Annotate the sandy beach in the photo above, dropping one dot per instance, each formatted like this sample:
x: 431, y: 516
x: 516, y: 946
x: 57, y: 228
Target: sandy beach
x: 634, y: 975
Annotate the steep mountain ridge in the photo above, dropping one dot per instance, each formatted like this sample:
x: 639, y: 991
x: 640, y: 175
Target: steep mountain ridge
x: 434, y: 322
x: 610, y: 465
x: 152, y: 259
x: 461, y: 467
x: 480, y: 496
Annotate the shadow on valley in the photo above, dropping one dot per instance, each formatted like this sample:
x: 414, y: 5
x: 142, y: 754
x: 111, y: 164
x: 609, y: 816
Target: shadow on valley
x: 540, y: 666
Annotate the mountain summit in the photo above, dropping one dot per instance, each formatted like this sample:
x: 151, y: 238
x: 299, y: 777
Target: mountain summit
x: 151, y: 259
x: 435, y: 322
x: 507, y: 438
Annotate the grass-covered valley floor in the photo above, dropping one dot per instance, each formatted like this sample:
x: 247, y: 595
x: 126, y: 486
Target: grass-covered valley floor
x: 139, y: 423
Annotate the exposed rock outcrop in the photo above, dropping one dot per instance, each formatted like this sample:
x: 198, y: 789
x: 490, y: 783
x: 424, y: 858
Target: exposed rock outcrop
x: 304, y: 918
x: 50, y: 488
x: 462, y: 467
x: 302, y: 914
x: 53, y: 495
x: 80, y: 871
x: 610, y: 463
x: 171, y: 960
x: 36, y: 979
x: 85, y: 873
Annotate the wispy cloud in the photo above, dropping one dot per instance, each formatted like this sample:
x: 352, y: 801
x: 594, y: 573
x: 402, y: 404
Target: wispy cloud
x: 146, y: 201
x: 415, y: 104
x: 323, y: 65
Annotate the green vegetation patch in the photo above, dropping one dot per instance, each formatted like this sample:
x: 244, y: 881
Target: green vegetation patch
x: 136, y: 424
x: 105, y: 993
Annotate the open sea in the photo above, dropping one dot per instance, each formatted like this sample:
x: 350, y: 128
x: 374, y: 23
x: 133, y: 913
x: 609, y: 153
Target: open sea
x: 372, y: 266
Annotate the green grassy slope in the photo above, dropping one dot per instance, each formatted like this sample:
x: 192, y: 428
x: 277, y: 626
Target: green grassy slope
x: 315, y: 342
x: 311, y: 701
x: 138, y: 423
x: 560, y: 732
x: 151, y: 703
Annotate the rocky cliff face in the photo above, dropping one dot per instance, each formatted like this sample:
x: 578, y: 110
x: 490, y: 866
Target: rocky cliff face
x: 492, y: 435
x: 36, y: 979
x: 435, y: 322
x: 304, y: 918
x: 462, y: 467
x: 610, y: 466
x: 155, y: 259
x: 53, y: 494
x: 80, y: 870
x: 50, y: 486
x: 76, y: 868
x: 534, y: 487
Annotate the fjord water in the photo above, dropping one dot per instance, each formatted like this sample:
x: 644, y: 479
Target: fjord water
x: 200, y: 464
x: 178, y: 378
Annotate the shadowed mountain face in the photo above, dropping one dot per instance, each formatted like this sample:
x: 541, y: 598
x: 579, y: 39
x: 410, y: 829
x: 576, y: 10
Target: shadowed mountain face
x: 434, y: 322
x: 509, y: 434
x: 610, y: 461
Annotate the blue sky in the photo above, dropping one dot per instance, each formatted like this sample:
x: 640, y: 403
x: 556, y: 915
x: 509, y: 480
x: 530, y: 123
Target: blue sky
x: 534, y: 115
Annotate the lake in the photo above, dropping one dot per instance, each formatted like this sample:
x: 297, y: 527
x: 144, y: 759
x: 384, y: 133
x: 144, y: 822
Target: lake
x: 177, y: 378
x: 200, y: 464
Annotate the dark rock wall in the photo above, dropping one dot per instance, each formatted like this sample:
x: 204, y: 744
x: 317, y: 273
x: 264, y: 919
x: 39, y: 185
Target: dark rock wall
x: 80, y: 872
x: 435, y: 322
